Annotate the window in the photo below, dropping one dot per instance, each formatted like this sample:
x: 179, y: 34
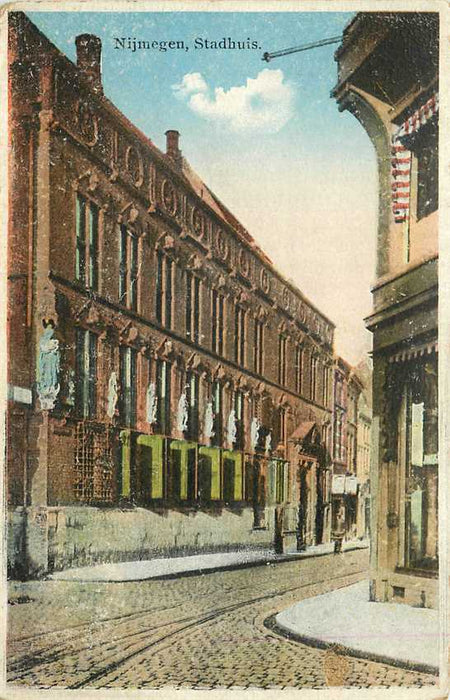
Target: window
x: 217, y: 410
x: 281, y: 425
x: 192, y: 395
x: 325, y: 436
x: 427, y: 176
x: 277, y: 478
x: 299, y: 352
x: 164, y: 289
x: 239, y: 412
x: 86, y: 371
x: 239, y: 336
x: 193, y: 307
x: 418, y: 448
x: 313, y: 378
x: 128, y: 386
x: 258, y: 347
x: 280, y: 482
x: 87, y: 230
x: 324, y: 385
x: 217, y: 321
x: 282, y: 340
x: 338, y: 436
x: 128, y: 268
x: 94, y: 472
x: 163, y: 377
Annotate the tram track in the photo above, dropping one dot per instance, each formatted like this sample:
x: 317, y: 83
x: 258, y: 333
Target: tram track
x: 93, y: 651
x: 191, y: 624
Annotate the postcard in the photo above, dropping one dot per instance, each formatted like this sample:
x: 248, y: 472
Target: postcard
x: 222, y: 418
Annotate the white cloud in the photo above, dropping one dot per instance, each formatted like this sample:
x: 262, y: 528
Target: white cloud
x: 191, y: 82
x: 264, y: 104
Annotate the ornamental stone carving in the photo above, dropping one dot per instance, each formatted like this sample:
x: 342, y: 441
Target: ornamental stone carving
x: 222, y: 245
x: 231, y: 429
x: 112, y: 394
x: 182, y: 413
x: 264, y: 279
x: 134, y: 166
x: 48, y: 368
x: 286, y: 299
x: 152, y: 404
x: 209, y: 421
x: 244, y: 263
x: 169, y: 197
x: 254, y: 433
x: 198, y: 222
x: 87, y: 123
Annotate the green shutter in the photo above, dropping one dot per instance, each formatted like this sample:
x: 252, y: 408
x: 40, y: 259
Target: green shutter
x: 156, y: 446
x: 214, y: 454
x: 183, y: 448
x: 236, y: 458
x: 125, y: 437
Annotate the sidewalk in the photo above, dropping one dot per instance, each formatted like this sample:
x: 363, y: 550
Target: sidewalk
x: 388, y: 632
x: 171, y: 567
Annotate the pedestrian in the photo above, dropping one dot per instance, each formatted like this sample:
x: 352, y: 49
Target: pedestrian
x: 338, y: 535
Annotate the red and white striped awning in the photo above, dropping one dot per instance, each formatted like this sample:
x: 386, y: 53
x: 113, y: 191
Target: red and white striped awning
x: 401, y: 157
x: 420, y: 117
x: 417, y: 351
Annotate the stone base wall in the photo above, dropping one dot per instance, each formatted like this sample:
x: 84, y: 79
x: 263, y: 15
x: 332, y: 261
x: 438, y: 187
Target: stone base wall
x: 41, y: 540
x: 392, y: 587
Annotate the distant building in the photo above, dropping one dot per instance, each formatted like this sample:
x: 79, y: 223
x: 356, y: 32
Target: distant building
x: 388, y: 78
x: 347, y: 489
x: 169, y: 390
x: 363, y: 442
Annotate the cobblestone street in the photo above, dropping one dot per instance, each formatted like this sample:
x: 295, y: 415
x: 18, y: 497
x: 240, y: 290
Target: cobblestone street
x: 203, y: 631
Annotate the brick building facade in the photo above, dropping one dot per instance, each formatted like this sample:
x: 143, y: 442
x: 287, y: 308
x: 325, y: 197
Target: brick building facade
x: 169, y: 391
x: 348, y: 486
x: 388, y: 70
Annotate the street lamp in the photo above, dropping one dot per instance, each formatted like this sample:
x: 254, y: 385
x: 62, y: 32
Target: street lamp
x: 304, y: 47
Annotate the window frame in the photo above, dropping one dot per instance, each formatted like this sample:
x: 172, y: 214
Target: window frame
x: 128, y: 385
x: 87, y: 242
x: 193, y: 307
x: 128, y: 267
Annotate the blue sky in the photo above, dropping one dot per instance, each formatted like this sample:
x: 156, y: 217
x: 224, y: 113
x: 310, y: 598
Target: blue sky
x: 267, y: 138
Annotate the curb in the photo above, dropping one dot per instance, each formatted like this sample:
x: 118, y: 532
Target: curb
x: 210, y: 570
x: 283, y: 631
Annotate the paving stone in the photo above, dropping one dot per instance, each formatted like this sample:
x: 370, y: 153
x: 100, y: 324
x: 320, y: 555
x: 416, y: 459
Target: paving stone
x: 197, y: 632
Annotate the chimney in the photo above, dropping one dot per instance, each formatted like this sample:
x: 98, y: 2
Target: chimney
x: 89, y: 51
x: 172, y: 146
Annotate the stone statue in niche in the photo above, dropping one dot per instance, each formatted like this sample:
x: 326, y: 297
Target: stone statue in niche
x: 112, y: 394
x: 152, y: 403
x: 70, y: 379
x: 231, y: 429
x: 268, y: 444
x: 48, y: 367
x: 182, y: 414
x: 209, y: 421
x: 254, y: 432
